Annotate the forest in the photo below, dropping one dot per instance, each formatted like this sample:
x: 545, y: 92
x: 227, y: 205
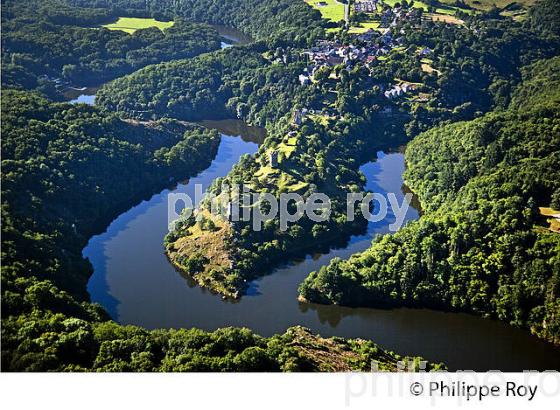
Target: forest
x: 482, y: 245
x: 51, y: 151
x: 58, y: 188
x: 39, y: 47
x: 483, y: 157
x: 276, y: 22
x: 480, y: 68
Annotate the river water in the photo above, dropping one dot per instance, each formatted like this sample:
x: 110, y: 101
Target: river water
x: 86, y: 95
x: 134, y: 281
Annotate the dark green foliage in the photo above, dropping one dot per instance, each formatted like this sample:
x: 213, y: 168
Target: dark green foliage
x: 479, y: 247
x: 188, y: 89
x: 278, y: 22
x: 36, y: 44
x: 67, y: 170
x: 59, y: 164
x: 545, y: 17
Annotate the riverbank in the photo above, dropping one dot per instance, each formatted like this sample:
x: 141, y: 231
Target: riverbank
x: 131, y: 251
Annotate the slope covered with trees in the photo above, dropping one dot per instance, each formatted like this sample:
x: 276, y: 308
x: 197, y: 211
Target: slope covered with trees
x: 478, y: 67
x: 38, y: 42
x: 481, y: 246
x: 278, y: 22
x: 67, y: 169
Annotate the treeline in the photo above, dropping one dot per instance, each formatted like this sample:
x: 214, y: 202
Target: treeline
x: 477, y: 67
x: 277, y: 22
x: 192, y: 89
x: 46, y: 341
x: 59, y: 163
x: 236, y: 82
x: 480, y: 66
x: 58, y: 188
x: 326, y: 155
x: 38, y: 48
x: 545, y: 17
x: 481, y: 245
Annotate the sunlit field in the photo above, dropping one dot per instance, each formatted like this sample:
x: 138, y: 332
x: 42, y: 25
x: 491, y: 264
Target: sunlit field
x: 131, y: 24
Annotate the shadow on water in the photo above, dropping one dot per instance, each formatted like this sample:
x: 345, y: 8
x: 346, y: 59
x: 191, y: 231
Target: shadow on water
x: 237, y: 128
x: 154, y: 210
x: 232, y: 36
x: 135, y: 282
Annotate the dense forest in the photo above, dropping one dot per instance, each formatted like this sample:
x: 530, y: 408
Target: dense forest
x: 277, y: 22
x: 51, y: 151
x: 479, y: 68
x: 67, y: 170
x: 39, y: 47
x: 482, y: 245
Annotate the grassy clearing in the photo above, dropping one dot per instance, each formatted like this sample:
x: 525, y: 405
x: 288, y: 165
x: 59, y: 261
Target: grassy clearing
x: 321, y: 119
x: 426, y: 65
x: 554, y: 224
x: 333, y: 11
x: 131, y: 24
x: 489, y: 4
x: 417, y: 4
x: 209, y: 246
x: 446, y: 7
x: 363, y: 27
x: 446, y: 18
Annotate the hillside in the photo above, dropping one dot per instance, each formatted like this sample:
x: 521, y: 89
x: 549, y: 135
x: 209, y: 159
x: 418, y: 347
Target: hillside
x: 482, y: 245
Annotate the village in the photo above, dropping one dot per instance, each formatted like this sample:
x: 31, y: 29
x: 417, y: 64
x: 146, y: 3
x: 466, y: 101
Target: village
x: 367, y: 49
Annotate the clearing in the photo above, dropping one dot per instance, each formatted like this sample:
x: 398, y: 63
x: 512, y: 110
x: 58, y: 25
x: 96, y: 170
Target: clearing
x: 330, y: 9
x: 131, y: 24
x: 553, y: 218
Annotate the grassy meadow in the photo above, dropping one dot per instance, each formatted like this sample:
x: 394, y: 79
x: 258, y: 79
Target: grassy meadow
x: 333, y: 11
x: 131, y: 24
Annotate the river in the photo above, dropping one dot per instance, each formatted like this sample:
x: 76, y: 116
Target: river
x: 136, y: 284
x: 134, y: 281
x: 86, y: 95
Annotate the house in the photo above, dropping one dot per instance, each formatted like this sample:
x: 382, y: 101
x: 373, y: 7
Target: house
x: 425, y: 52
x: 297, y: 117
x: 273, y: 159
x: 397, y: 91
x: 304, y: 80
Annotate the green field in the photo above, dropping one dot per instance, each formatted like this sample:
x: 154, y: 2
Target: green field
x: 488, y: 4
x: 131, y: 24
x: 365, y: 26
x: 446, y: 6
x: 333, y: 11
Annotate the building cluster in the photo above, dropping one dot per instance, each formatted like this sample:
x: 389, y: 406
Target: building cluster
x: 368, y: 47
x: 398, y: 91
x: 391, y: 16
x: 366, y: 6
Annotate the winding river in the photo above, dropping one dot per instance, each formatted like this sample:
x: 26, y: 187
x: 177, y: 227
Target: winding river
x: 134, y: 281
x: 137, y: 285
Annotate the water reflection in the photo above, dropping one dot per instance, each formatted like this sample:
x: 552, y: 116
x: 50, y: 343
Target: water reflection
x: 134, y: 280
x: 237, y: 128
x: 232, y: 36
x: 84, y: 95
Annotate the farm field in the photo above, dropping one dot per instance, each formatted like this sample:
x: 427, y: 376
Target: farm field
x: 365, y: 26
x: 488, y: 4
x: 131, y: 24
x: 332, y: 11
x: 446, y: 18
